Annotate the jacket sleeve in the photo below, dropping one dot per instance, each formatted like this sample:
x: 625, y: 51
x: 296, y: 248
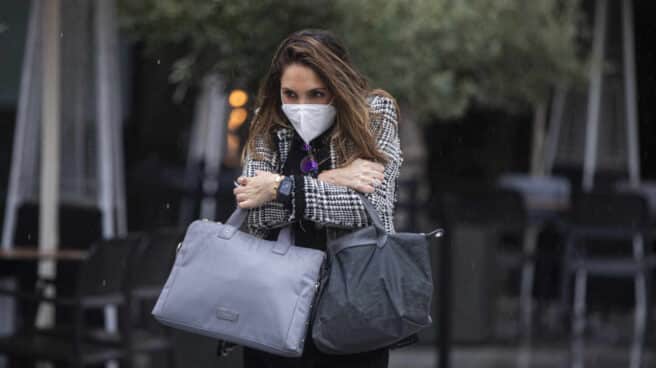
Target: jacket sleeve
x: 271, y: 214
x: 340, y: 206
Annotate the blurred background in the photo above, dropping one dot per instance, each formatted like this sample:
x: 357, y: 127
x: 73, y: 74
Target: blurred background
x: 527, y: 131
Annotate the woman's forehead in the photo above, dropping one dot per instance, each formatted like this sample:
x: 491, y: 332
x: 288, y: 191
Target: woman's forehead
x: 300, y: 78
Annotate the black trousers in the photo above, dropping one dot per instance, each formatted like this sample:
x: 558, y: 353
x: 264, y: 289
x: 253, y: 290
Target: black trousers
x: 313, y: 358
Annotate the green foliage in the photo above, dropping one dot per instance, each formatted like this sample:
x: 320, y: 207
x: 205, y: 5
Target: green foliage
x: 439, y: 56
x: 234, y: 38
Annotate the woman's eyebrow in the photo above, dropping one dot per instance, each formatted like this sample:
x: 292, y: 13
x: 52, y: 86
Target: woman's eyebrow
x: 310, y: 90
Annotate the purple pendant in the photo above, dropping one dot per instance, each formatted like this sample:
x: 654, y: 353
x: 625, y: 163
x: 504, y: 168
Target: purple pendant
x: 308, y: 164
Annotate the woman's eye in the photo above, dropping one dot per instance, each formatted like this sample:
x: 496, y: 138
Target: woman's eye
x: 290, y: 94
x: 318, y: 94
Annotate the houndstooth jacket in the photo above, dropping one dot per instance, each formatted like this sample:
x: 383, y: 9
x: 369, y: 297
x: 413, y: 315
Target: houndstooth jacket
x: 327, y: 204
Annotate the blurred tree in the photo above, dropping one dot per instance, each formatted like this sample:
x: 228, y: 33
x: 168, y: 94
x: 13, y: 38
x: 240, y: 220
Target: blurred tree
x: 438, y: 56
x: 234, y: 38
x: 442, y: 55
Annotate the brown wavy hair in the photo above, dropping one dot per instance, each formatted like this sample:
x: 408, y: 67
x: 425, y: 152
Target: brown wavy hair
x: 324, y: 54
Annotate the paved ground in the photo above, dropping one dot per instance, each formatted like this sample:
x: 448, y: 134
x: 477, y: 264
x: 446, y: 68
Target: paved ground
x: 506, y: 357
x: 199, y: 352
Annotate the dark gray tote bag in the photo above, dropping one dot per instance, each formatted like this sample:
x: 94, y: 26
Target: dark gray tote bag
x: 378, y: 290
x: 233, y: 286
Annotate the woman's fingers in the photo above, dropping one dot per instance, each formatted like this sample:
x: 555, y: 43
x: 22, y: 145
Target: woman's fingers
x: 375, y: 174
x: 239, y: 190
x: 262, y: 172
x: 241, y: 193
x: 249, y: 192
x: 365, y: 181
x: 369, y: 165
x: 378, y: 167
x: 372, y: 177
x: 362, y: 183
x: 364, y: 188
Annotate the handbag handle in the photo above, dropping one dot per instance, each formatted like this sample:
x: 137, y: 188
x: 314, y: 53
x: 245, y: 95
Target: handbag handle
x: 285, y: 235
x: 372, y: 212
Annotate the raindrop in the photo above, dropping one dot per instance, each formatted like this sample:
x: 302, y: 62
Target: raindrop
x: 104, y: 282
x: 168, y: 205
x: 61, y: 34
x: 158, y: 61
x: 29, y: 236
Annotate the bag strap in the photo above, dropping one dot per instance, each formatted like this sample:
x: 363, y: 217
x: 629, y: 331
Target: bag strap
x: 285, y: 235
x: 237, y: 217
x: 372, y: 212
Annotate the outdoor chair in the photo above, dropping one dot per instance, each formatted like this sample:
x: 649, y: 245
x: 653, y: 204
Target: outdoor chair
x: 142, y: 333
x: 79, y: 226
x: 100, y: 283
x: 595, y: 220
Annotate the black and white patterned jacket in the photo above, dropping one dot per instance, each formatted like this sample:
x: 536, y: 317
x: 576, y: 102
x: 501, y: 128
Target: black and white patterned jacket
x: 328, y: 204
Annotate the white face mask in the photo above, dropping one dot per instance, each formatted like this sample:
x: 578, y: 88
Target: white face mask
x: 310, y: 120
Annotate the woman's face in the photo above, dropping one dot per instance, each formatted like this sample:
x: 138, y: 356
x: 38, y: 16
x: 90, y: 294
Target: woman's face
x: 301, y: 85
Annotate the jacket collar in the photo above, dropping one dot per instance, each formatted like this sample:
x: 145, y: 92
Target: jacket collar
x: 284, y: 133
x: 285, y: 136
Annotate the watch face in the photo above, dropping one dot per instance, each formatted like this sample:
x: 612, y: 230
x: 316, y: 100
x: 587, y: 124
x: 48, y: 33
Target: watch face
x: 285, y: 187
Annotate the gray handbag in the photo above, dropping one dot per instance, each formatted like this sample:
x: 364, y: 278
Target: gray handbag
x: 233, y: 286
x: 378, y: 291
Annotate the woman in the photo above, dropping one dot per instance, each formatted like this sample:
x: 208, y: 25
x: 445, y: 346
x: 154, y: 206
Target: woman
x: 319, y: 136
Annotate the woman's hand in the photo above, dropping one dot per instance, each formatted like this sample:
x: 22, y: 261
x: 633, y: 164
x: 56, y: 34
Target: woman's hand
x: 361, y: 175
x: 256, y: 190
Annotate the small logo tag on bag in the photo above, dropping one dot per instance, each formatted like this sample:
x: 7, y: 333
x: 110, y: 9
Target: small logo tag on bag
x: 228, y: 315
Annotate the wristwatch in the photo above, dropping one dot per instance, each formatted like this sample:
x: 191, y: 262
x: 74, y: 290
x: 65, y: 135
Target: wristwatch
x: 285, y: 189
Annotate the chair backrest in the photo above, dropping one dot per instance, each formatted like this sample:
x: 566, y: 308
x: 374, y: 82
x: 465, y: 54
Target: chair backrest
x: 106, y: 270
x: 603, y: 179
x: 79, y: 225
x: 156, y: 259
x: 538, y: 190
x: 610, y: 211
